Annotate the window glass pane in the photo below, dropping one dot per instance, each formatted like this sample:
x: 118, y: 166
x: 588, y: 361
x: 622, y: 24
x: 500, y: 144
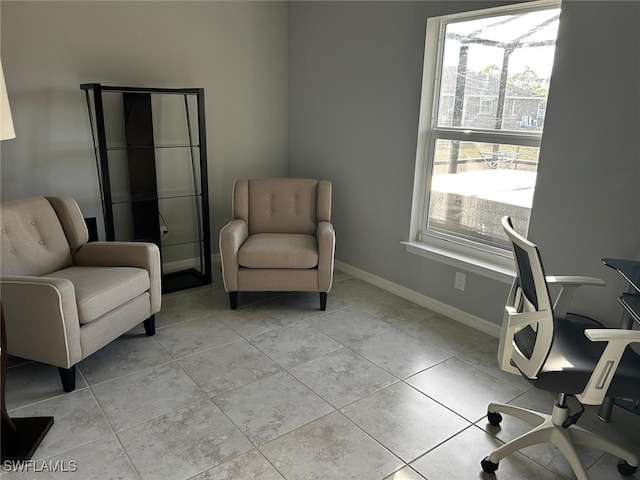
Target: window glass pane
x: 495, y: 72
x: 473, y: 185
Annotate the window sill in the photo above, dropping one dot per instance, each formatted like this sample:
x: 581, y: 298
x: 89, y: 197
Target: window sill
x: 487, y: 265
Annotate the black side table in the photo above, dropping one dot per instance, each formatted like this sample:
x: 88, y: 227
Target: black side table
x: 20, y: 436
x: 630, y: 271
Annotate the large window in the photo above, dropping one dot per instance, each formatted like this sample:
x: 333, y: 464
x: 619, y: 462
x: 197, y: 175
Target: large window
x: 485, y: 84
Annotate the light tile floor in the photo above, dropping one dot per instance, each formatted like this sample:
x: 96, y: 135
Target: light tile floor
x: 374, y: 388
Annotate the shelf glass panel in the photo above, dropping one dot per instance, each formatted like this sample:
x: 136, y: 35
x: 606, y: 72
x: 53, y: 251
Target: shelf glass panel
x: 178, y: 170
x: 125, y: 197
x: 184, y: 256
x: 180, y: 215
x: 177, y: 175
x: 175, y: 121
x: 155, y: 147
x: 173, y: 238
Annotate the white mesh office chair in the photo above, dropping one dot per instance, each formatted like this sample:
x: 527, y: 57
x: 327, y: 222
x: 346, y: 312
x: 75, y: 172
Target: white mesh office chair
x: 560, y: 352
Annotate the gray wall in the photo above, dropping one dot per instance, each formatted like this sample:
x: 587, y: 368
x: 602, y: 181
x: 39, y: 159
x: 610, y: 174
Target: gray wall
x: 355, y: 78
x: 588, y: 188
x: 237, y: 51
x: 337, y: 84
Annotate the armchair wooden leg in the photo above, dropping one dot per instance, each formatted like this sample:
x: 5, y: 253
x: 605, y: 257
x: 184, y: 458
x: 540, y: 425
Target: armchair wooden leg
x: 233, y: 300
x: 150, y: 326
x: 323, y: 301
x: 68, y: 378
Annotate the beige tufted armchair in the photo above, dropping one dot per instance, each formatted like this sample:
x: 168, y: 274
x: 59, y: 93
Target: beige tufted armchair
x: 281, y: 238
x: 64, y: 298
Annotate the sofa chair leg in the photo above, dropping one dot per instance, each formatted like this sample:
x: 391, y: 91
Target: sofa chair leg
x: 150, y: 326
x: 323, y: 301
x: 68, y: 378
x: 233, y: 300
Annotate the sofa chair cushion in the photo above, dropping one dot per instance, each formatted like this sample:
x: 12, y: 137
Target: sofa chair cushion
x: 279, y: 250
x: 33, y: 241
x: 277, y: 205
x: 99, y: 289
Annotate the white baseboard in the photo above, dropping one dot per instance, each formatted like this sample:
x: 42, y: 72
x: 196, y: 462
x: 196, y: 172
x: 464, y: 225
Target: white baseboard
x: 423, y: 300
x: 404, y: 292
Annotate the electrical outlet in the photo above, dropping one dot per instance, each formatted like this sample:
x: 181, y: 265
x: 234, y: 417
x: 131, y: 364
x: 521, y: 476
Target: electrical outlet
x: 459, y: 282
x: 164, y: 230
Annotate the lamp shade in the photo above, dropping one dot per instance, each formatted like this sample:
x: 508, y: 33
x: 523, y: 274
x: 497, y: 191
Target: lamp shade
x: 6, y: 122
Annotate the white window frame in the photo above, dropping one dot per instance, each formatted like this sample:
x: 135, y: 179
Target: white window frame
x: 485, y: 260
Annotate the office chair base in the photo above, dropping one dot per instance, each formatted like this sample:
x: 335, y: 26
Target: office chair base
x: 549, y: 429
x: 488, y: 466
x: 625, y: 469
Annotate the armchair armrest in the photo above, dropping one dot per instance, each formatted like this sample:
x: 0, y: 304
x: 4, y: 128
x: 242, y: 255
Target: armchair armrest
x: 569, y: 286
x: 617, y: 340
x: 119, y: 254
x: 41, y: 319
x: 232, y: 236
x: 126, y: 254
x: 326, y: 238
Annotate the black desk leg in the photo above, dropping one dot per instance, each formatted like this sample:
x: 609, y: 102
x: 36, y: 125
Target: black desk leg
x: 606, y: 409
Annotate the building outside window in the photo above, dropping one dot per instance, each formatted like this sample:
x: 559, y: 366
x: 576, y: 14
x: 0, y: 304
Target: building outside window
x: 485, y: 85
x: 486, y: 107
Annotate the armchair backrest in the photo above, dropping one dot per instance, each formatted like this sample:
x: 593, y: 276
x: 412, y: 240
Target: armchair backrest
x: 40, y: 235
x: 527, y: 329
x: 282, y: 205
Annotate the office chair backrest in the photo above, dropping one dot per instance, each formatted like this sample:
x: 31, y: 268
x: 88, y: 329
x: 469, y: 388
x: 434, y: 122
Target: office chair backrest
x: 528, y: 322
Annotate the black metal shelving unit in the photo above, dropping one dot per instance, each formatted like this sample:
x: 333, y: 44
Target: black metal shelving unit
x: 151, y: 155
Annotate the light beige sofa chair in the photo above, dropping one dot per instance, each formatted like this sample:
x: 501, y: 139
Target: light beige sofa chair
x: 281, y: 238
x: 64, y: 298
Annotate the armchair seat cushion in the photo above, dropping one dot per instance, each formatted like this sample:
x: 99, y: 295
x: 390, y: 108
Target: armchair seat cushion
x: 99, y: 289
x: 279, y: 250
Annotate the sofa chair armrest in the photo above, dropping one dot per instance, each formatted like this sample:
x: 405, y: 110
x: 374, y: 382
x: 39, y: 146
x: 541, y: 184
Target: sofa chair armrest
x: 617, y: 341
x: 126, y: 254
x: 326, y: 237
x: 41, y: 319
x: 232, y: 236
x: 569, y: 285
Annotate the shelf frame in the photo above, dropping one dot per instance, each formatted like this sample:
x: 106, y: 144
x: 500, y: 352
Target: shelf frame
x: 94, y: 96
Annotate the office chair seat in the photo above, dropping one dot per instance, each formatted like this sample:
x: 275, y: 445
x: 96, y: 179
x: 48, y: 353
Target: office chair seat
x: 573, y: 357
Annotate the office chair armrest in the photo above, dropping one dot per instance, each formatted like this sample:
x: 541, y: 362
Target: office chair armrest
x: 617, y: 340
x: 569, y: 286
x: 618, y: 335
x: 41, y: 318
x: 232, y: 236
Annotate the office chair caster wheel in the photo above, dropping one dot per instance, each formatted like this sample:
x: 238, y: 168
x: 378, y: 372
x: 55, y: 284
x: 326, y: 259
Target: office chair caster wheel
x: 488, y: 466
x: 494, y: 418
x: 625, y: 469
